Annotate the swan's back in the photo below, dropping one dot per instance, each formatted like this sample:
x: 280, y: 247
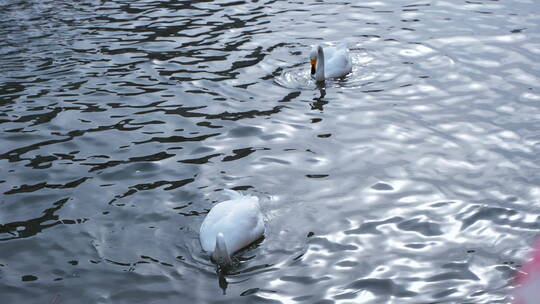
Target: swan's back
x: 239, y: 219
x: 337, y: 61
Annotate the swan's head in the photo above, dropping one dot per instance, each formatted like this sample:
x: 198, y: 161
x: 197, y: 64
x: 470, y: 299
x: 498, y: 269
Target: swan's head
x: 317, y: 63
x: 313, y: 60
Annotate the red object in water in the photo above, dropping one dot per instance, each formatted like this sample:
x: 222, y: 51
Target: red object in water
x: 528, y: 280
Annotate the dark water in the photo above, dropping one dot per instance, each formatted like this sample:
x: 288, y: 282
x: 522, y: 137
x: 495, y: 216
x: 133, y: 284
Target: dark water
x: 414, y: 180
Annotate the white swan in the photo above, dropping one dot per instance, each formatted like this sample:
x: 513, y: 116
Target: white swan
x: 330, y: 62
x: 230, y: 226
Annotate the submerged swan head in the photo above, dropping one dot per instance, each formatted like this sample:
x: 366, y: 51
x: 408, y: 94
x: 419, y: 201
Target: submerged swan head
x: 221, y: 256
x: 316, y: 58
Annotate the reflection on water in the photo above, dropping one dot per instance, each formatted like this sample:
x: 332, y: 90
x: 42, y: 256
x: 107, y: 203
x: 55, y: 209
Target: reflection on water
x: 412, y: 180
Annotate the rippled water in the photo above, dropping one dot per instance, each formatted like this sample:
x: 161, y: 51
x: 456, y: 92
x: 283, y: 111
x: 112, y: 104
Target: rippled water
x: 413, y: 180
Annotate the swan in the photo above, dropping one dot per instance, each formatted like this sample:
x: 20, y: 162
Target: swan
x: 330, y: 62
x: 230, y: 226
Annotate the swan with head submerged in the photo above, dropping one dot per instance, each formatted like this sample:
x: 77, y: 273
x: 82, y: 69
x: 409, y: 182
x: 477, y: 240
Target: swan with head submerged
x: 330, y: 62
x: 230, y: 226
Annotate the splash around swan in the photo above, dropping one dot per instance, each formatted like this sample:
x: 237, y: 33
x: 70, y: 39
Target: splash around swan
x: 362, y: 70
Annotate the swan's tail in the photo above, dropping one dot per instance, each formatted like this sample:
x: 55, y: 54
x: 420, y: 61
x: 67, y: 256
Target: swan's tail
x: 221, y: 254
x: 235, y: 194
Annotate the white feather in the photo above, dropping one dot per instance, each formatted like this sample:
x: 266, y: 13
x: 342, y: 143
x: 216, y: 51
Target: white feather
x: 239, y: 219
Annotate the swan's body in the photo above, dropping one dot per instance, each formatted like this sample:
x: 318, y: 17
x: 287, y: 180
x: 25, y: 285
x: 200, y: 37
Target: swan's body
x: 330, y: 62
x: 230, y: 226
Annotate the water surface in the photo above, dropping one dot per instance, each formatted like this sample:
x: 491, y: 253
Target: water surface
x: 413, y: 180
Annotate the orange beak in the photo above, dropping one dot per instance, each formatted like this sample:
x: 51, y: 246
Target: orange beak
x: 313, y: 63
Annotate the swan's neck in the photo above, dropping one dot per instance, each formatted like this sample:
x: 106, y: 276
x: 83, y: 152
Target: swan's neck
x: 319, y: 71
x: 221, y: 254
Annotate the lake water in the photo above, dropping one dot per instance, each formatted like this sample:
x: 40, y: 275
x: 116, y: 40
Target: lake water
x: 413, y: 180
